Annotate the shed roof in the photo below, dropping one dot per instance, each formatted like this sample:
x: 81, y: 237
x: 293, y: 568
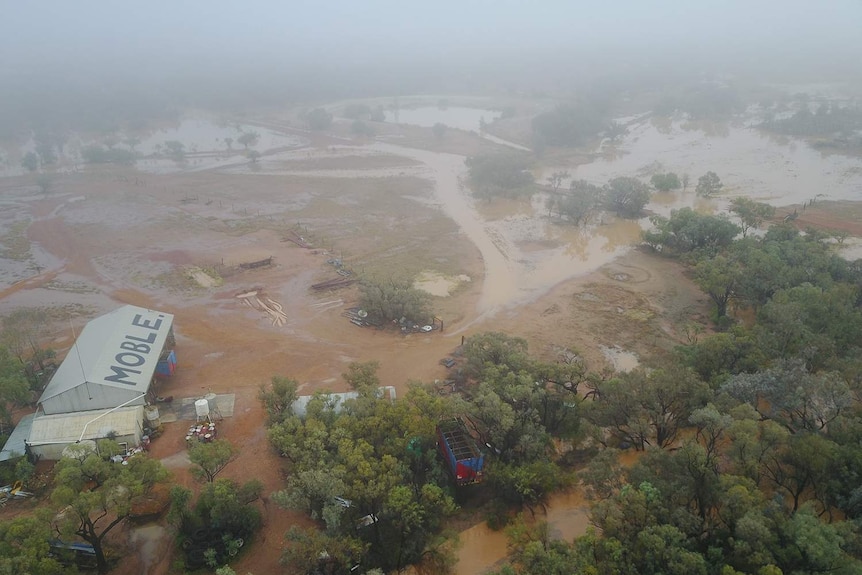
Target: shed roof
x: 15, y: 444
x: 67, y: 427
x: 119, y: 349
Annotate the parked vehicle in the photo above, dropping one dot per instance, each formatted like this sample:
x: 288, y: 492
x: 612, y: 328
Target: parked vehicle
x: 76, y: 554
x: 460, y: 452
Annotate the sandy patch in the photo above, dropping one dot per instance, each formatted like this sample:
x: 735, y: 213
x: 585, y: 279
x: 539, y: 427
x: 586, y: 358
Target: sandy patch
x: 438, y: 284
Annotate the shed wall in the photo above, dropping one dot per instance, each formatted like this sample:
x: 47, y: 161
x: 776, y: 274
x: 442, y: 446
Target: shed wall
x: 89, y: 397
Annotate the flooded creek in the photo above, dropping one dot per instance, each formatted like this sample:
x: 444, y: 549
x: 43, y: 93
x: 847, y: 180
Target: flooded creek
x: 780, y: 171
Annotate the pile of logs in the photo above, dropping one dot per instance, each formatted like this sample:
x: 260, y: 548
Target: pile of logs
x: 335, y: 283
x: 257, y: 264
x: 269, y: 306
x: 292, y: 236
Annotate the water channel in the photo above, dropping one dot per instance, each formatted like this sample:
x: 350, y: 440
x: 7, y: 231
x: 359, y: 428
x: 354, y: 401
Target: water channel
x: 520, y: 266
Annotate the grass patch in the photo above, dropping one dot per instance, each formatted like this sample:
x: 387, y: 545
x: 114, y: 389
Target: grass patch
x: 14, y: 244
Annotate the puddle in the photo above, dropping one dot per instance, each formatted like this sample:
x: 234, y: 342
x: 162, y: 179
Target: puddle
x: 851, y: 250
x: 457, y: 117
x: 437, y: 284
x: 454, y: 117
x: 151, y: 542
x: 620, y: 359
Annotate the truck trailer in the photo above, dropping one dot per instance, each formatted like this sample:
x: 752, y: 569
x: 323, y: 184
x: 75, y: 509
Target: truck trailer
x: 460, y: 452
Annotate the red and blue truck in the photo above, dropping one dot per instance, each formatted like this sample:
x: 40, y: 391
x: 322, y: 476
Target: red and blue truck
x: 460, y: 452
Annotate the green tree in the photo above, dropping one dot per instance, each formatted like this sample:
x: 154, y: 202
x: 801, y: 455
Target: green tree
x: 751, y: 214
x: 626, y: 197
x: 643, y: 409
x: 357, y: 111
x: 687, y: 231
x: 439, y: 130
x: 253, y: 156
x: 92, y: 514
x: 318, y: 119
x: 556, y: 179
x: 718, y: 277
x: 248, y: 139
x: 362, y: 377
x: 45, y: 183
x: 24, y: 547
x: 392, y: 300
x: 792, y: 396
x: 665, y: 182
x: 569, y: 125
x: 211, y: 458
x: 229, y: 143
x: 228, y: 505
x: 708, y: 185
x: 278, y: 398
x: 504, y: 175
x: 309, y: 551
x: 13, y: 385
x: 581, y: 202
x: 45, y: 148
x: 721, y: 355
x: 176, y: 150
x: 30, y: 162
x: 527, y: 485
x: 360, y: 128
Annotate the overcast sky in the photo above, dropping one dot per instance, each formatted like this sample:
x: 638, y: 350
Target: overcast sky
x: 169, y: 29
x: 166, y: 36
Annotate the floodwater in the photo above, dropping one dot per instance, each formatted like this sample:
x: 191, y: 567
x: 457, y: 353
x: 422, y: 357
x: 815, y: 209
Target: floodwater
x: 482, y: 548
x: 205, y: 145
x: 620, y: 359
x: 467, y: 119
x: 202, y: 134
x: 453, y: 117
x: 851, y: 250
x: 520, y: 262
x: 779, y: 171
x: 437, y: 284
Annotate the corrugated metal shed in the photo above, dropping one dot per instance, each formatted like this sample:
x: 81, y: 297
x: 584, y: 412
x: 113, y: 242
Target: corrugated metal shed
x: 111, y: 362
x: 66, y: 428
x: 336, y: 400
x: 15, y: 444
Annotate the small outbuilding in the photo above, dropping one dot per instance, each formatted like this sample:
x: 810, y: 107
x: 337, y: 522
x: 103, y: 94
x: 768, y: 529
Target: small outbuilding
x: 51, y: 434
x: 112, y: 362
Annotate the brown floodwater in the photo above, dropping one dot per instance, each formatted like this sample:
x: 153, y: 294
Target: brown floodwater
x: 482, y: 548
x: 780, y: 171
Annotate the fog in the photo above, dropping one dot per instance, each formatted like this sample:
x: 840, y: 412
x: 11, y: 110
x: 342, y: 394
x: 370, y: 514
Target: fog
x: 56, y: 55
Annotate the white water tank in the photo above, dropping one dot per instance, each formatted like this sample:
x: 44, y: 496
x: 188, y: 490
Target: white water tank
x: 202, y: 408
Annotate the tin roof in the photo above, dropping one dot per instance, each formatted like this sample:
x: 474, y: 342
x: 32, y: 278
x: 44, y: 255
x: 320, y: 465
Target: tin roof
x: 110, y: 352
x: 68, y: 427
